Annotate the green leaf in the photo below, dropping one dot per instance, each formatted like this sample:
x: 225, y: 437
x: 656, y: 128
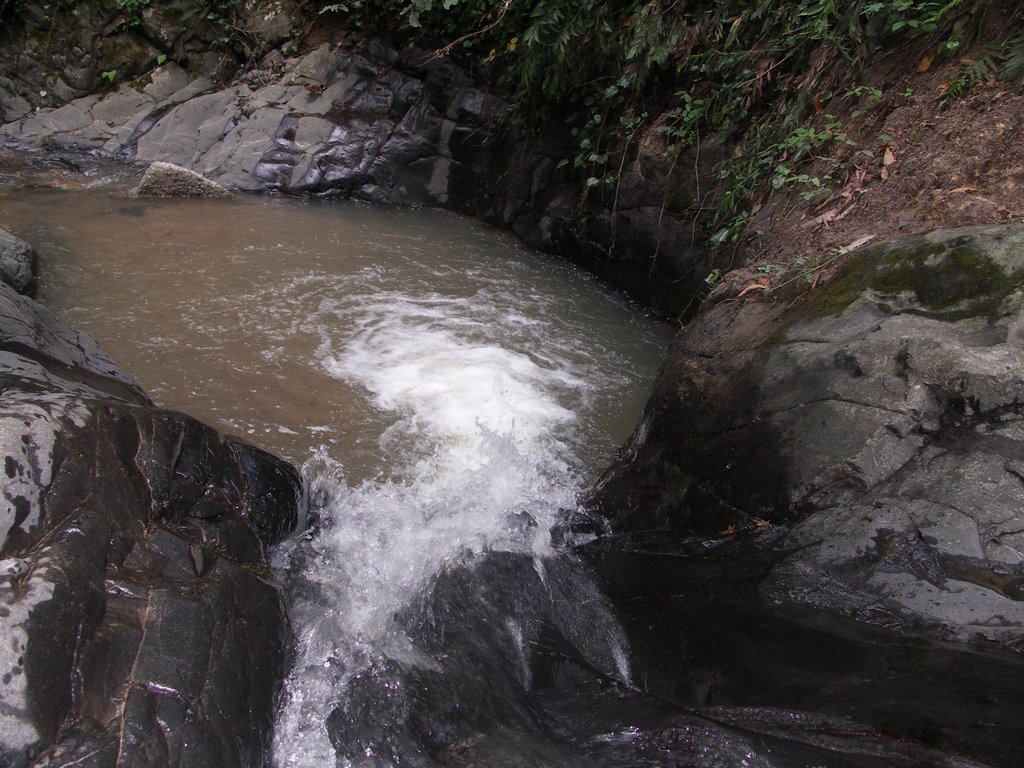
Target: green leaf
x: 721, y: 237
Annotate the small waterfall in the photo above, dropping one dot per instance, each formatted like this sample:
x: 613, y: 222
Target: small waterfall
x: 449, y: 394
x: 479, y: 463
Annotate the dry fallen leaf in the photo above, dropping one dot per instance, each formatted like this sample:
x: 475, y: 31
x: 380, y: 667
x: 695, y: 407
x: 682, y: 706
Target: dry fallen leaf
x: 925, y: 63
x: 888, y: 158
x: 884, y: 174
x: 856, y: 244
x: 753, y: 287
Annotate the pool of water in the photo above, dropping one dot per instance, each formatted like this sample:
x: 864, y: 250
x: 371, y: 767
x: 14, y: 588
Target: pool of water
x: 302, y: 325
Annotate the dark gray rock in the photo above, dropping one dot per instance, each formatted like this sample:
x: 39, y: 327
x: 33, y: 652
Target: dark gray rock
x: 143, y: 625
x: 169, y: 180
x: 17, y: 262
x: 49, y: 58
x: 878, y: 424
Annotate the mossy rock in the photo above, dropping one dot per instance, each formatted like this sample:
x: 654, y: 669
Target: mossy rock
x: 948, y: 274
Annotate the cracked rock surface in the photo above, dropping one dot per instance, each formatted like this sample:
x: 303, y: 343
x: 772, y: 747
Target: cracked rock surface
x: 140, y: 622
x: 870, y: 436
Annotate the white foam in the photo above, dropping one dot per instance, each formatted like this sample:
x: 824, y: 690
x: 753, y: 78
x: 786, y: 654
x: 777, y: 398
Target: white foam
x: 479, y: 457
x: 479, y: 437
x: 448, y: 393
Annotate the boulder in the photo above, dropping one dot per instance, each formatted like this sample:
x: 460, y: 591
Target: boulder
x: 17, y: 262
x: 169, y: 180
x: 142, y: 623
x: 869, y: 435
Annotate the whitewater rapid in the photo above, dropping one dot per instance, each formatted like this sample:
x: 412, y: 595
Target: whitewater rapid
x: 485, y: 408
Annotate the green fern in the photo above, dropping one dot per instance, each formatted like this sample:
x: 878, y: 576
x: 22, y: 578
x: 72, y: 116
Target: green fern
x: 1013, y: 70
x: 973, y: 70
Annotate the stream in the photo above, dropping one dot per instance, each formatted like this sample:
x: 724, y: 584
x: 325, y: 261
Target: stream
x: 449, y: 395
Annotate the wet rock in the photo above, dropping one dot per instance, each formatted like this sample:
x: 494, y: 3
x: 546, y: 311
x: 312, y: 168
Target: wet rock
x: 30, y: 331
x: 168, y: 180
x: 142, y: 622
x: 10, y: 160
x: 17, y: 262
x: 639, y: 234
x: 878, y: 422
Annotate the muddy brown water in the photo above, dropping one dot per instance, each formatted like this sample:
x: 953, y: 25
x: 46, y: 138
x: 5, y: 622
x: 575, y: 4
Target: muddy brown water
x: 242, y: 313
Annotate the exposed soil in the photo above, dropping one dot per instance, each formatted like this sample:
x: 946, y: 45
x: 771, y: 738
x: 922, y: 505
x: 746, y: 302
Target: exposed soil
x: 919, y: 161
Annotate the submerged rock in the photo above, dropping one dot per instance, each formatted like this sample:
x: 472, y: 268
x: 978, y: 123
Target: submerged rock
x: 169, y: 180
x: 17, y: 262
x: 871, y: 434
x: 142, y: 624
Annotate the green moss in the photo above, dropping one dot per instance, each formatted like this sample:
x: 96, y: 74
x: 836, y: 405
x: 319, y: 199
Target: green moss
x: 261, y: 570
x: 140, y: 83
x: 955, y: 278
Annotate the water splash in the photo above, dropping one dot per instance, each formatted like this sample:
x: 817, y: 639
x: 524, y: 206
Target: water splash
x: 479, y: 462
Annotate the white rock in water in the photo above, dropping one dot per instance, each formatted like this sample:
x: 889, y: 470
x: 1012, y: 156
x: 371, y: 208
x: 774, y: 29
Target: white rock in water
x: 169, y: 180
